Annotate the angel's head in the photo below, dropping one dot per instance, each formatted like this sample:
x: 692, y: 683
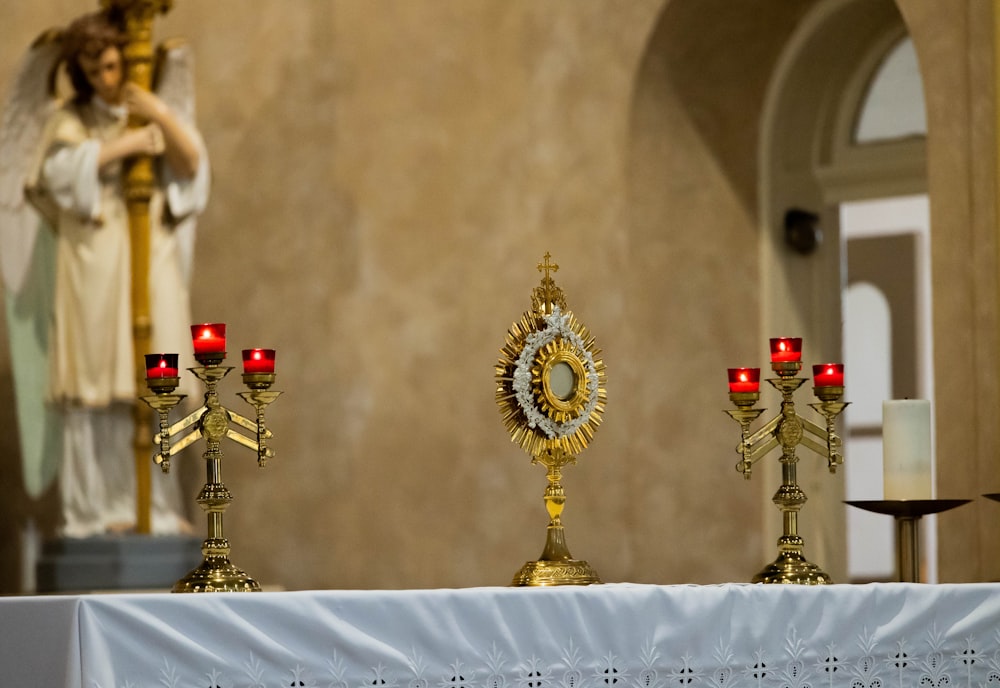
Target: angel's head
x: 93, y: 50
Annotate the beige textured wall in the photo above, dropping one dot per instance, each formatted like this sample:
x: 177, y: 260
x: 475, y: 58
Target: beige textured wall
x: 386, y: 177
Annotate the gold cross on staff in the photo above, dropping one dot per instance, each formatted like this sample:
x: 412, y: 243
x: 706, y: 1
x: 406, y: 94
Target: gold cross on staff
x: 547, y: 266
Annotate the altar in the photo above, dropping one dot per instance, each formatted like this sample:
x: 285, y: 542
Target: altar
x: 599, y: 636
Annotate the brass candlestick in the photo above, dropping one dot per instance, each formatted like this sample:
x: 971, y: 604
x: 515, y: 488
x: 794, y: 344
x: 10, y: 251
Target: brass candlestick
x: 788, y: 430
x: 907, y: 514
x: 212, y: 422
x: 550, y: 389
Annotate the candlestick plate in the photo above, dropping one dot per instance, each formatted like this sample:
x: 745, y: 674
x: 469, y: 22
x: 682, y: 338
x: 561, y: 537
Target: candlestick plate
x: 907, y: 508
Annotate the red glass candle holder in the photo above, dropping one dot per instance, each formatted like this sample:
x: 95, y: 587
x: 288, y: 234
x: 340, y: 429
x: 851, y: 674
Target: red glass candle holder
x: 161, y: 365
x: 828, y: 375
x: 786, y: 349
x: 744, y: 380
x: 258, y: 360
x: 161, y: 373
x: 209, y: 341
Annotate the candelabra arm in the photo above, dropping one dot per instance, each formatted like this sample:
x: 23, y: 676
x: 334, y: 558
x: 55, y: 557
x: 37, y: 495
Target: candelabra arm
x: 759, y: 449
x: 766, y: 431
x: 248, y: 424
x: 809, y: 426
x: 184, y: 423
x: 176, y: 429
x: 163, y: 438
x: 809, y: 442
x: 240, y: 438
x: 186, y: 441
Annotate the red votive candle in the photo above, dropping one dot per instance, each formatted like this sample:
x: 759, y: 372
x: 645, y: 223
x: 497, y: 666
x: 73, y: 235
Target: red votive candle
x: 258, y: 360
x: 209, y: 338
x: 786, y: 349
x: 161, y: 365
x: 744, y: 379
x: 828, y: 375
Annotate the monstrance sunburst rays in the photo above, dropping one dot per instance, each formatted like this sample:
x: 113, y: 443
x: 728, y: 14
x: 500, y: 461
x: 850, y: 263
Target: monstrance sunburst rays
x: 538, y: 413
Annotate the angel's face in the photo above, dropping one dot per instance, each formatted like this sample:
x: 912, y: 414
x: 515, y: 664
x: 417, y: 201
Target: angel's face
x: 104, y: 72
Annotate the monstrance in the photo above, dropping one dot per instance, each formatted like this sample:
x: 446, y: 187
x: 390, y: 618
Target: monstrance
x: 550, y: 389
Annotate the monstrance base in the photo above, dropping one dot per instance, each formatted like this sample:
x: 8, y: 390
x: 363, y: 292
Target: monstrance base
x: 792, y: 568
x: 564, y: 572
x: 216, y: 574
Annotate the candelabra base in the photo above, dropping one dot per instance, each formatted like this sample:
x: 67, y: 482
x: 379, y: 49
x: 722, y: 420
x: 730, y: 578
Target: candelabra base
x: 563, y: 572
x: 792, y: 568
x: 216, y: 574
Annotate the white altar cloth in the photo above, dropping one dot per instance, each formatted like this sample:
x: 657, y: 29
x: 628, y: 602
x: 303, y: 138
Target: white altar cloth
x: 601, y: 636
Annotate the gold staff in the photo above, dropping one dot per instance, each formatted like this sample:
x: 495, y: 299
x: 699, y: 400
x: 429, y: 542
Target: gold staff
x: 139, y: 183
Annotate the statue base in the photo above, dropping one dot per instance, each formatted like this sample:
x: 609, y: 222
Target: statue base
x: 115, y: 562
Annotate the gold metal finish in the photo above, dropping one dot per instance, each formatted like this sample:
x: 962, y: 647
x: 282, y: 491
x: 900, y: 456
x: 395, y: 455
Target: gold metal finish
x: 550, y: 390
x: 788, y: 430
x: 211, y: 422
x: 556, y: 566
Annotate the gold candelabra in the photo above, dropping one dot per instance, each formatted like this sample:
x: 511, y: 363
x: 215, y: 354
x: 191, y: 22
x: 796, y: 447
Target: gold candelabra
x: 550, y: 389
x: 787, y: 431
x: 213, y: 422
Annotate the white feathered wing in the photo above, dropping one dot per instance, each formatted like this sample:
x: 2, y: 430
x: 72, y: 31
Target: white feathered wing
x: 27, y: 258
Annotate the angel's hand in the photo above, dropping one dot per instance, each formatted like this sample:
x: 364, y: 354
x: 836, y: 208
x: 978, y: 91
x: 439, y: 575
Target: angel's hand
x: 152, y: 139
x: 145, y: 104
x: 147, y: 140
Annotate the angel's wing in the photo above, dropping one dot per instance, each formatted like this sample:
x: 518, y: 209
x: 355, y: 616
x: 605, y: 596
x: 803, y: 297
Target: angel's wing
x: 26, y: 110
x: 27, y: 260
x: 173, y: 82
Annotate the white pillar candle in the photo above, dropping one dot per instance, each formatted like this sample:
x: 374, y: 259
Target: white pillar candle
x: 906, y: 449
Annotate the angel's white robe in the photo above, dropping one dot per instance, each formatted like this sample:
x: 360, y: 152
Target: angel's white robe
x: 91, y: 364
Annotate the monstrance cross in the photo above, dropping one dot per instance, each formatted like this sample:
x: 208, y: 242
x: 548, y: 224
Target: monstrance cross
x: 548, y: 292
x: 547, y: 266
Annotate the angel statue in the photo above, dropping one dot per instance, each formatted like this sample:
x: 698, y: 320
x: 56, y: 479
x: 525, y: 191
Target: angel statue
x: 65, y: 261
